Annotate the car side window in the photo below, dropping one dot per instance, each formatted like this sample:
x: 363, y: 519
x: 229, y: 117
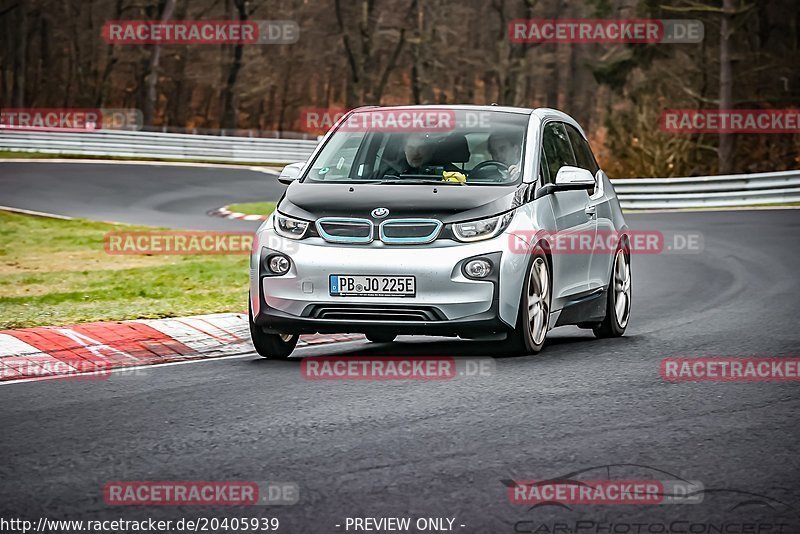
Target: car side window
x: 556, y: 147
x: 544, y: 171
x: 583, y: 154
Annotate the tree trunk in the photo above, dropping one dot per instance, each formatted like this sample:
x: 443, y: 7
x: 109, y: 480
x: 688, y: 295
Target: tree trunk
x: 229, y: 107
x: 20, y: 56
x: 102, y: 87
x: 151, y: 79
x: 726, y: 141
x: 421, y: 86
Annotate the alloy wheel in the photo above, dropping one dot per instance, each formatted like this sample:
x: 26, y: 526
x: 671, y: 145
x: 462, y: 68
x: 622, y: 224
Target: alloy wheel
x: 538, y: 300
x: 622, y: 288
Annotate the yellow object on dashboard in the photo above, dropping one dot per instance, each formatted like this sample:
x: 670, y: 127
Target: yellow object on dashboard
x: 453, y: 176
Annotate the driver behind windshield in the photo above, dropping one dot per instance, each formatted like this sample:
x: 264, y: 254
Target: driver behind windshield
x: 417, y: 158
x: 418, y: 151
x: 505, y: 147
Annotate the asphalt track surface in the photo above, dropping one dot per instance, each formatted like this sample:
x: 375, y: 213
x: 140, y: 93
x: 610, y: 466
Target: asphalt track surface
x: 172, y: 196
x: 441, y: 448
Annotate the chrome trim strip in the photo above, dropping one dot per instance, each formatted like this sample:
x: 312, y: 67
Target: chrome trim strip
x: 345, y: 221
x: 410, y: 240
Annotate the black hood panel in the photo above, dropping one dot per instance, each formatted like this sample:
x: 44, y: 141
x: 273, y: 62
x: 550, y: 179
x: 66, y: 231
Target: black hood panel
x: 448, y: 203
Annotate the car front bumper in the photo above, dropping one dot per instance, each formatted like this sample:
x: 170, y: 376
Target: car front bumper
x: 446, y: 301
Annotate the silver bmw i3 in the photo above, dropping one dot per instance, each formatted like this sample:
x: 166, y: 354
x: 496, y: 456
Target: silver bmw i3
x: 472, y: 221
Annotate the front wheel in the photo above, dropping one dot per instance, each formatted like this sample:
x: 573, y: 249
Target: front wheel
x: 271, y: 346
x: 533, y: 318
x: 618, y: 307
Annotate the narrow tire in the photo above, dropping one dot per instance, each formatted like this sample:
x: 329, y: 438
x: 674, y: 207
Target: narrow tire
x: 618, y: 305
x: 533, y: 318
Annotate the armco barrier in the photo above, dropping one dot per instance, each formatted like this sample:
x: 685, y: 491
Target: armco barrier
x: 709, y: 191
x: 640, y: 193
x: 120, y: 143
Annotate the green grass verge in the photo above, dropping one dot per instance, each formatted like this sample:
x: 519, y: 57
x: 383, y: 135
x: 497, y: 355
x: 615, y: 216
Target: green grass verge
x: 253, y: 208
x: 57, y: 272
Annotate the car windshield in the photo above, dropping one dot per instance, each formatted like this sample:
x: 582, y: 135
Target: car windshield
x: 424, y: 146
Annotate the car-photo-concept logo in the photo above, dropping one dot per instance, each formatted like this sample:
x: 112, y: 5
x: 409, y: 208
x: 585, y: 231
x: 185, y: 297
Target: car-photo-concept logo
x: 566, y: 504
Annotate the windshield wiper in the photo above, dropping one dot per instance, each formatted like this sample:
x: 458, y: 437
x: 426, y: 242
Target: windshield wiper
x: 346, y: 181
x: 421, y: 182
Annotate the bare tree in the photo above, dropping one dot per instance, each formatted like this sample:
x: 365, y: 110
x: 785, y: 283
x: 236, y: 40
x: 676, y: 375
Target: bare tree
x: 726, y: 140
x: 425, y: 51
x: 151, y: 79
x: 20, y: 54
x: 228, y: 111
x: 367, y: 79
x: 512, y: 61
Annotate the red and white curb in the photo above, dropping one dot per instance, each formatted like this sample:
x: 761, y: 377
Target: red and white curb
x: 225, y: 213
x: 93, y: 350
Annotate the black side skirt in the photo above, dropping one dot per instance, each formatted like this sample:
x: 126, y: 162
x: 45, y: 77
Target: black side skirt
x: 589, y: 308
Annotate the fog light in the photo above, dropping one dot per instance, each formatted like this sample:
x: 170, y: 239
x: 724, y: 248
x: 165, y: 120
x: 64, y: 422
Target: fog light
x: 478, y: 268
x: 279, y: 264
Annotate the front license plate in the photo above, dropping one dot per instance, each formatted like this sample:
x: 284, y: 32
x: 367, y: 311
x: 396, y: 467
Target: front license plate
x: 345, y: 285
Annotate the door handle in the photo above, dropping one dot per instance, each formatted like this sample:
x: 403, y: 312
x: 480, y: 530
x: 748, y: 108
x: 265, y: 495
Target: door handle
x: 590, y: 210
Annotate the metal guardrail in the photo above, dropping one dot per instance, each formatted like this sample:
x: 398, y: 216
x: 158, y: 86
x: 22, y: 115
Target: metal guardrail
x: 639, y: 193
x: 120, y: 143
x: 709, y: 191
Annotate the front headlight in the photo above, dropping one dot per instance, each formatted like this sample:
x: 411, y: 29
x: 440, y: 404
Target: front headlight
x: 483, y: 228
x: 289, y: 227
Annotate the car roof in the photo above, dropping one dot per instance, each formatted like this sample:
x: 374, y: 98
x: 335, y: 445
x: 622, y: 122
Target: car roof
x: 507, y: 109
x: 542, y: 113
x: 554, y: 114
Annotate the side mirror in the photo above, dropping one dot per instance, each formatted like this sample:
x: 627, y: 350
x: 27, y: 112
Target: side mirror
x: 568, y: 179
x: 571, y: 178
x: 290, y: 173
